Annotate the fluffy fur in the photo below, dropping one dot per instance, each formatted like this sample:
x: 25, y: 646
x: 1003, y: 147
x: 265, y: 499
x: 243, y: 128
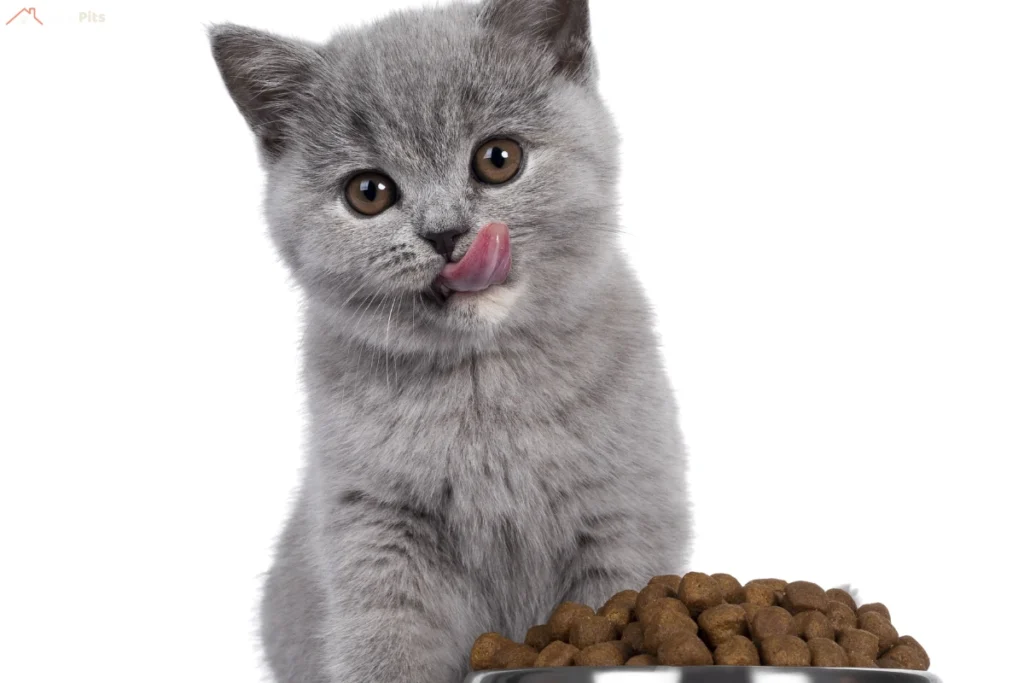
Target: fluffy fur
x: 470, y: 464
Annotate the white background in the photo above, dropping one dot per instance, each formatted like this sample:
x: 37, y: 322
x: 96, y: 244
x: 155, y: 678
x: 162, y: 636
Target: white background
x: 825, y: 201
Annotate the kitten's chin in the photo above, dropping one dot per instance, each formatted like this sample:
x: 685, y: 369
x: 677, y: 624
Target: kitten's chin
x: 491, y: 306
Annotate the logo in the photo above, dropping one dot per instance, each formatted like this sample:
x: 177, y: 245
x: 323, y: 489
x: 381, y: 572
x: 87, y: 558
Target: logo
x: 26, y: 14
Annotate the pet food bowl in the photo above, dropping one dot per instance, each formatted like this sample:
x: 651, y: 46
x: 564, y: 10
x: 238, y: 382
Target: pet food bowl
x: 701, y: 674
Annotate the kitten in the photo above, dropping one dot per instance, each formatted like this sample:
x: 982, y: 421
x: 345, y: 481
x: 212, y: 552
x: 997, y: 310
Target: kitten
x: 491, y: 429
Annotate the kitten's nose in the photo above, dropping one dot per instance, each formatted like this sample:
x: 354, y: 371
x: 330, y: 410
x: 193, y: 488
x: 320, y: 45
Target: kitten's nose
x: 444, y: 241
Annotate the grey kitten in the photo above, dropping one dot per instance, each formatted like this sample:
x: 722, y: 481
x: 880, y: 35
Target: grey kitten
x: 491, y: 429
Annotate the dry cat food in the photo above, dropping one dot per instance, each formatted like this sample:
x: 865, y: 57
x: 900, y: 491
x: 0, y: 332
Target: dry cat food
x: 700, y: 619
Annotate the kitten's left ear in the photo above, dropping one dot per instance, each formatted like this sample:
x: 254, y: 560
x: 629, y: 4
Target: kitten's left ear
x: 561, y: 27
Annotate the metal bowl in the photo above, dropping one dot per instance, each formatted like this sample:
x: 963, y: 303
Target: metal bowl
x: 701, y: 674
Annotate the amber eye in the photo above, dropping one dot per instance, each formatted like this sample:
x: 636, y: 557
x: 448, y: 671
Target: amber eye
x: 497, y: 161
x: 371, y: 193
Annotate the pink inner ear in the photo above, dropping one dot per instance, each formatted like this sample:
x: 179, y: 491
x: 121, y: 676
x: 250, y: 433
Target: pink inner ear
x: 487, y: 262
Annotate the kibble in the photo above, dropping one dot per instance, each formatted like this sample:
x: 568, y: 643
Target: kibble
x: 684, y: 649
x: 840, y: 616
x: 669, y: 580
x: 906, y: 654
x: 857, y: 641
x: 769, y: 622
x: 802, y: 596
x: 785, y: 650
x: 730, y: 587
x: 485, y: 649
x: 657, y: 634
x: 601, y: 654
x: 722, y: 622
x: 591, y: 630
x: 841, y: 596
x: 699, y: 592
x: 655, y: 608
x: 648, y: 595
x: 812, y: 624
x: 564, y: 616
x: 515, y: 656
x: 760, y: 594
x: 738, y: 651
x: 877, y: 623
x: 619, y: 617
x: 827, y: 652
x: 874, y: 607
x: 699, y: 619
x: 556, y: 654
x: 538, y: 637
x: 633, y: 634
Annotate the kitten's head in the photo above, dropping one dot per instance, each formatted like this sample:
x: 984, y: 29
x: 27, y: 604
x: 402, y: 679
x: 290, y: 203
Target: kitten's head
x: 412, y: 161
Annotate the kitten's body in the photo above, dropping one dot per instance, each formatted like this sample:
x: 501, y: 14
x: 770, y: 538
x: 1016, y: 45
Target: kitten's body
x: 471, y: 465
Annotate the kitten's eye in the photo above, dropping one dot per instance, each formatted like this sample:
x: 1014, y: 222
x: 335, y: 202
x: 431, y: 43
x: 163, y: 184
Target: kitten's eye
x: 498, y: 161
x: 370, y: 193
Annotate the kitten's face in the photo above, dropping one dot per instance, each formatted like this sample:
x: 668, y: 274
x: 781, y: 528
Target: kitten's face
x: 413, y: 138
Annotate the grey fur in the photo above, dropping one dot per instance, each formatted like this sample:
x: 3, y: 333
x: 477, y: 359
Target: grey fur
x: 469, y: 466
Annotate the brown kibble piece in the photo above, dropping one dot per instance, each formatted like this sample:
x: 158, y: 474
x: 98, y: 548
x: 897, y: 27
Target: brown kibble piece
x: 669, y: 580
x: 564, y: 616
x: 698, y: 592
x: 651, y: 611
x: 642, y: 660
x: 732, y: 590
x: 760, y: 594
x: 751, y: 609
x: 664, y: 627
x: 775, y: 584
x: 737, y: 651
x: 667, y: 617
x: 875, y: 622
x: 684, y: 649
x: 857, y: 641
x: 486, y: 647
x: 874, y: 607
x: 722, y: 622
x: 827, y: 652
x: 633, y: 634
x: 912, y: 643
x: 803, y: 596
x: 841, y: 596
x: 538, y: 637
x: 515, y: 656
x: 625, y: 599
x: 906, y: 654
x: 785, y: 650
x: 840, y: 616
x: 619, y: 616
x: 556, y: 654
x: 770, y: 621
x: 649, y: 595
x: 591, y: 630
x: 859, y: 660
x: 812, y: 624
x: 600, y: 654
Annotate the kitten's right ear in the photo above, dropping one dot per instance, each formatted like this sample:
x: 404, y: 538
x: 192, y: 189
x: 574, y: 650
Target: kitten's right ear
x: 265, y: 75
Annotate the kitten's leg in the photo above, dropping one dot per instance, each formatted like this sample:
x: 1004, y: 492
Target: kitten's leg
x: 401, y: 607
x: 616, y: 550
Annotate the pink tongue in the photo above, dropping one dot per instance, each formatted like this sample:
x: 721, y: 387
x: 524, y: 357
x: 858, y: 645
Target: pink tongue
x: 486, y: 263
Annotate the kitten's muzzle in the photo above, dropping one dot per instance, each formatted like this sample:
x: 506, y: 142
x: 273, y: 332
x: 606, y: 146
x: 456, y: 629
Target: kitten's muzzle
x: 444, y: 241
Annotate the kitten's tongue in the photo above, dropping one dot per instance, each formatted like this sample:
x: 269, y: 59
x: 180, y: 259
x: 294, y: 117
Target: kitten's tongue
x: 486, y: 263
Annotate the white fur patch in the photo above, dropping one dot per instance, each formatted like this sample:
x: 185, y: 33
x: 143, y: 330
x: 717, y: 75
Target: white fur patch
x: 494, y: 303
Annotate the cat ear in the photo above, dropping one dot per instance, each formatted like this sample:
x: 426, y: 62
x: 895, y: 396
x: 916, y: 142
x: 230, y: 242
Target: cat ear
x: 265, y: 75
x: 559, y: 26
